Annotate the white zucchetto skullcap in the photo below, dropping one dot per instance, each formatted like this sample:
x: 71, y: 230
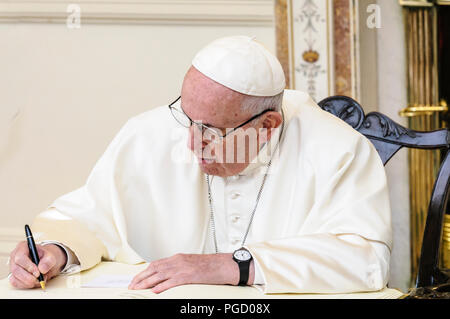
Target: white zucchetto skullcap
x: 241, y: 64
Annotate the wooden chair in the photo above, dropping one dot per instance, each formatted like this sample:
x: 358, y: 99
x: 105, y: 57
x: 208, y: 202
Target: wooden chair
x: 388, y: 138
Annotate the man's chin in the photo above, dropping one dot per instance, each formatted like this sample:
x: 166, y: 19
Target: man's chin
x: 208, y: 169
x: 216, y: 169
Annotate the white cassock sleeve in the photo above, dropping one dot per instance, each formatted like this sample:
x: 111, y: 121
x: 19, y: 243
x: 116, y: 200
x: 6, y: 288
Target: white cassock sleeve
x: 344, y: 243
x: 323, y: 264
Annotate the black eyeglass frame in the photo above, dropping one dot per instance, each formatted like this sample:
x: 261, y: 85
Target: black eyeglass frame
x: 208, y: 127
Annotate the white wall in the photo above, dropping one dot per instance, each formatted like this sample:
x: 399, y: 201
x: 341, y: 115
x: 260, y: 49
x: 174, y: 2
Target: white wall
x: 64, y: 94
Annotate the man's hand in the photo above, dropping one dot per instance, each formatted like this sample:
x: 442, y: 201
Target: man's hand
x: 24, y: 272
x: 182, y: 269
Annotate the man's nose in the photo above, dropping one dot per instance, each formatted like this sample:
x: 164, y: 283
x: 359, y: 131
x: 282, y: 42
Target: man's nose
x: 196, y: 143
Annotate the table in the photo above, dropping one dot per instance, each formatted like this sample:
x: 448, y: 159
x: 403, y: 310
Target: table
x: 70, y: 287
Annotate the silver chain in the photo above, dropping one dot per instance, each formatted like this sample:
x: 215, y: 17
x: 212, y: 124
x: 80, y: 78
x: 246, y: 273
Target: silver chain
x: 213, y: 226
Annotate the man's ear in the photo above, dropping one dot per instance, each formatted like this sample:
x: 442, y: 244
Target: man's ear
x: 271, y: 121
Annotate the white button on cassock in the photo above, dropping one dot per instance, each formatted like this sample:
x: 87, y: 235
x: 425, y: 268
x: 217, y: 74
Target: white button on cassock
x: 235, y: 219
x: 235, y: 195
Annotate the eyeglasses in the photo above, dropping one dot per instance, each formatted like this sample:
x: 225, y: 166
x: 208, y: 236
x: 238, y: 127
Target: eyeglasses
x: 209, y: 132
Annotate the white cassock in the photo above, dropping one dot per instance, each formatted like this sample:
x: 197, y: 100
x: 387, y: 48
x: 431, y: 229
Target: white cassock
x: 322, y: 224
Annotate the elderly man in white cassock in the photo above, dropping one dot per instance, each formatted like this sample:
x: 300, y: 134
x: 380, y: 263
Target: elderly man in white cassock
x: 300, y: 207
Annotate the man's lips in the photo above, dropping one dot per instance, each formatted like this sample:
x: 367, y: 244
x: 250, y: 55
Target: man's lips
x: 206, y: 160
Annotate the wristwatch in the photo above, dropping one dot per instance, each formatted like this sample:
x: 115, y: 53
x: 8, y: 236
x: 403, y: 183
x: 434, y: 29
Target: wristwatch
x: 243, y: 257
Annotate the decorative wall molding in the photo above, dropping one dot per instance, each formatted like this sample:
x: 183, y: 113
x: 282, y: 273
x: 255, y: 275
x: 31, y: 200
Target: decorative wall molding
x: 181, y: 12
x: 345, y: 45
x: 311, y: 35
x: 305, y: 47
x: 283, y: 43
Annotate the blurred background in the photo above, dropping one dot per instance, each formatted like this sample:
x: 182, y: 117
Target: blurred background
x: 73, y: 72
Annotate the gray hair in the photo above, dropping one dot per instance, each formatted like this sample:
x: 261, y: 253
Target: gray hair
x: 258, y: 104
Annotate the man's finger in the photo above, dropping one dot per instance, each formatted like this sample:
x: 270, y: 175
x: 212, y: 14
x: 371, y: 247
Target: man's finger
x: 25, y: 262
x: 163, y: 286
x: 149, y: 271
x: 140, y: 277
x: 47, y: 263
x: 41, y: 251
x: 150, y: 282
x: 17, y: 283
x: 23, y: 275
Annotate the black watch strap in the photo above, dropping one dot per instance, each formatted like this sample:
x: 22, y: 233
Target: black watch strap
x: 244, y: 270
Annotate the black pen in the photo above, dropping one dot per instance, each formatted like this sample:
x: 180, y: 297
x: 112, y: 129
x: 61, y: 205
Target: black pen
x: 33, y: 253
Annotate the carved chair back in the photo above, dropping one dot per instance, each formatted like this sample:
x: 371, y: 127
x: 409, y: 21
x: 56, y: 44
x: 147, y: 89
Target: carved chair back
x: 389, y: 137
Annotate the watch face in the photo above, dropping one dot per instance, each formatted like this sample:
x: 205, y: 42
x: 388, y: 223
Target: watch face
x: 242, y: 255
